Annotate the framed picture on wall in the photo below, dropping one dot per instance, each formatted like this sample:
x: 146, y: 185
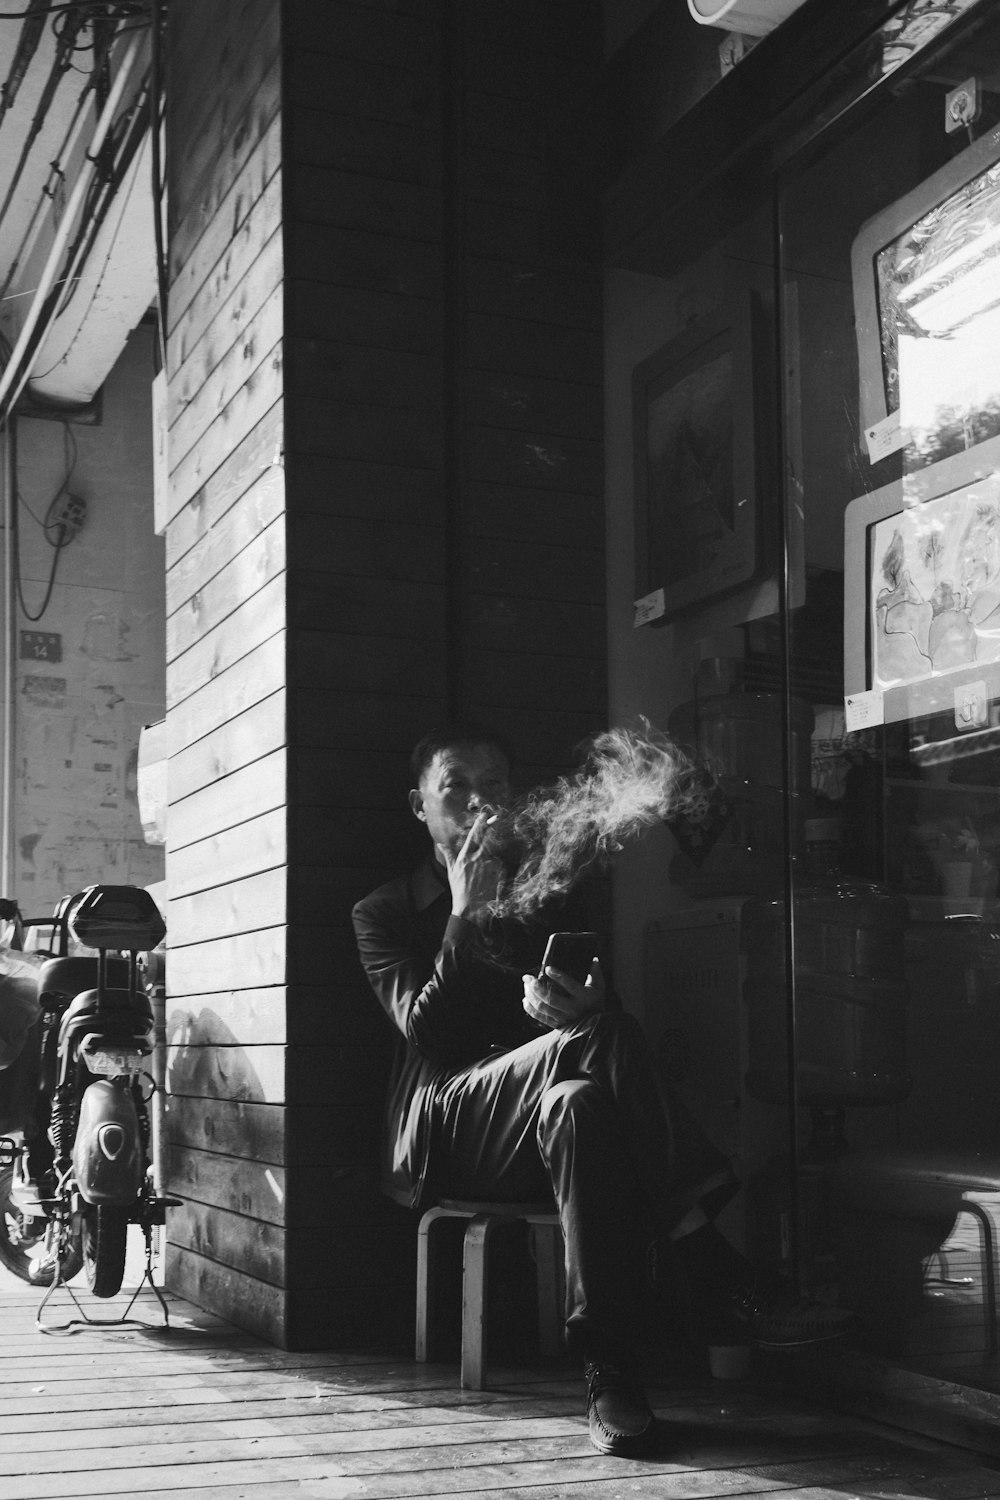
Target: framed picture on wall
x: 697, y: 507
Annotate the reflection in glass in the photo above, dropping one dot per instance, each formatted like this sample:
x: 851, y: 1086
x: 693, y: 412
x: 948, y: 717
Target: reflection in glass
x: 939, y: 312
x: 914, y: 26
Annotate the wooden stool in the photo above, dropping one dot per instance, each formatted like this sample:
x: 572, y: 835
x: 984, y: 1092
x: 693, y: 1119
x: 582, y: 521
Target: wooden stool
x: 483, y: 1219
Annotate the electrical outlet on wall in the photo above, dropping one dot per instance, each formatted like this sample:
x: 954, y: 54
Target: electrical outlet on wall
x: 69, y: 512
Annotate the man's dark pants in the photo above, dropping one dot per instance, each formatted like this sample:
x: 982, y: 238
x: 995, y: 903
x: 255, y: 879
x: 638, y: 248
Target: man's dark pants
x: 579, y: 1115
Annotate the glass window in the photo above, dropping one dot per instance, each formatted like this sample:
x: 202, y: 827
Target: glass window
x: 889, y: 310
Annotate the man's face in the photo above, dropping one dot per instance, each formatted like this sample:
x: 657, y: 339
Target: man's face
x: 455, y: 786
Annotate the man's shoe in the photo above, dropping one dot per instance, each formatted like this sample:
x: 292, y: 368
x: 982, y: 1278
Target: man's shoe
x: 789, y: 1322
x: 620, y: 1419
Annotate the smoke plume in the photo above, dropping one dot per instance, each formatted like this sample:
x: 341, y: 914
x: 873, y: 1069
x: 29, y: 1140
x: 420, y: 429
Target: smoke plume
x: 631, y: 779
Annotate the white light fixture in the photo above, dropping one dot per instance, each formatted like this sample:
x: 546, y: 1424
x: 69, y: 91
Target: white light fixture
x: 751, y: 17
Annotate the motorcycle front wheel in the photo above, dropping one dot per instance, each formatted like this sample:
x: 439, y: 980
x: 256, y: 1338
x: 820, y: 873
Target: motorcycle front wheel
x: 26, y: 1245
x: 105, y: 1231
x: 22, y: 1241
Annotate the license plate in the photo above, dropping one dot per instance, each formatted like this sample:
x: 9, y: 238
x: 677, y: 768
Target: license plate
x: 114, y: 1064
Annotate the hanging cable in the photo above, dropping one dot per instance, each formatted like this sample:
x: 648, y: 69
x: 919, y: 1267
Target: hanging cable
x: 128, y: 162
x: 15, y: 376
x: 49, y: 192
x: 61, y: 64
x: 63, y: 519
x: 59, y: 27
x: 27, y: 46
x: 130, y: 134
x: 102, y: 44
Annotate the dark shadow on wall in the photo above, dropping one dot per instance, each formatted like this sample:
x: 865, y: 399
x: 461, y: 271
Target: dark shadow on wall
x: 205, y: 1060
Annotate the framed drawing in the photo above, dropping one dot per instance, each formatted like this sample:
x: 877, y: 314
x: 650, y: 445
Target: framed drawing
x: 922, y: 589
x: 697, y: 508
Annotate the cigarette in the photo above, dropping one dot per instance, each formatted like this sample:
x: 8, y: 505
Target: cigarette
x: 492, y: 820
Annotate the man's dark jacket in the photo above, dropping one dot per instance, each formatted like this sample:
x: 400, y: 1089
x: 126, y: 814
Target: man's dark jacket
x: 454, y: 995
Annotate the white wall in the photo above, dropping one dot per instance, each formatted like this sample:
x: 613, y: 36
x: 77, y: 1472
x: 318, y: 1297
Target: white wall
x: 79, y: 707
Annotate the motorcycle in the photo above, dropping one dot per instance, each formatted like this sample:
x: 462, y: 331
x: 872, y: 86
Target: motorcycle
x: 73, y: 1178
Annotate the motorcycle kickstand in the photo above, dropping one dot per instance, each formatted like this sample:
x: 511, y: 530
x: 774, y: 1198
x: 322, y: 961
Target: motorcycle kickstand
x: 84, y: 1321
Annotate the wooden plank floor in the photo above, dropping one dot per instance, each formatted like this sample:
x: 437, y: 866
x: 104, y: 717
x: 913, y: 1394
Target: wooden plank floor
x: 203, y: 1410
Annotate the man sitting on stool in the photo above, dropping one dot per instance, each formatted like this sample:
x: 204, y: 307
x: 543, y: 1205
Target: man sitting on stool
x: 514, y: 1088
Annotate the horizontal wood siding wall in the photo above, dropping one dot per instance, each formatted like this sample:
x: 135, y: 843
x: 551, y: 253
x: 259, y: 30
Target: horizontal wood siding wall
x: 367, y: 575
x: 529, y: 374
x: 444, y: 471
x: 230, y: 1067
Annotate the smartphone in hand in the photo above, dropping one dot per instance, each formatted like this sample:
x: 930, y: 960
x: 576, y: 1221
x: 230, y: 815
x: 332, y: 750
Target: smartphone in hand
x: 572, y: 952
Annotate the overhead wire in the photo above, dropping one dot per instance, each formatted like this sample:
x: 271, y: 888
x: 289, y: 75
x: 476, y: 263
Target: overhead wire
x: 124, y: 141
x: 101, y: 48
x: 41, y: 208
x: 106, y: 165
x: 130, y: 128
x: 27, y: 46
x: 126, y: 167
x: 14, y: 377
x: 57, y: 32
x: 60, y: 66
